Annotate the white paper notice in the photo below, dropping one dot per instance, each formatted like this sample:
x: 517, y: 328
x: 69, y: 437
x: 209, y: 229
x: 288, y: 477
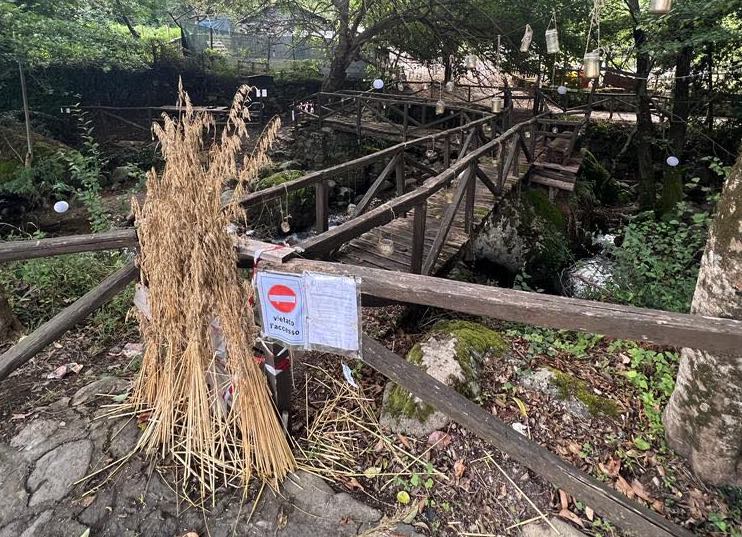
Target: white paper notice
x: 333, y: 312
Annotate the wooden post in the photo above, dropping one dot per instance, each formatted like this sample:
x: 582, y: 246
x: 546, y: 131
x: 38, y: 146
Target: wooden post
x: 471, y: 191
x: 322, y: 193
x: 277, y: 367
x: 405, y: 121
x: 319, y: 109
x: 399, y: 171
x: 423, y: 113
x: 418, y: 237
x: 447, y: 151
x: 359, y: 113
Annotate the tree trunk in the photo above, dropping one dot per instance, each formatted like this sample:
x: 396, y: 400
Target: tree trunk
x: 644, y: 128
x: 341, y: 60
x: 672, y: 180
x: 10, y: 326
x: 703, y: 420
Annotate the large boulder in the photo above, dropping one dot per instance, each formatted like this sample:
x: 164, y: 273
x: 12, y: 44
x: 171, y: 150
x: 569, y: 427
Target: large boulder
x: 453, y: 353
x: 527, y: 233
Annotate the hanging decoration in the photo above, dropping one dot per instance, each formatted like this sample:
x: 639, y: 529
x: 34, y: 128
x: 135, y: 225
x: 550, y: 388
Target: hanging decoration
x: 562, y: 90
x: 552, y: 36
x: 672, y: 161
x: 591, y: 64
x: 450, y: 85
x: 378, y: 84
x: 525, y: 43
x: 400, y: 86
x: 660, y: 7
x: 440, y: 106
x: 285, y: 225
x: 385, y: 246
x: 471, y: 62
x: 497, y: 104
x: 591, y: 61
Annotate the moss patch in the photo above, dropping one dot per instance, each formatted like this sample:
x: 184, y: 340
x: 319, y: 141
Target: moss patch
x: 570, y: 386
x: 473, y: 342
x: 541, y: 207
x: 279, y: 179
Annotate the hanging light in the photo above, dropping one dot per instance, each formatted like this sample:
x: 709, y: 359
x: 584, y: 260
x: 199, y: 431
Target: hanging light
x: 497, y: 104
x: 450, y: 86
x: 591, y: 64
x: 562, y: 90
x: 378, y: 84
x: 525, y: 43
x: 285, y: 226
x: 440, y: 107
x: 471, y: 61
x: 660, y: 7
x: 385, y: 246
x: 552, y: 41
x: 672, y: 161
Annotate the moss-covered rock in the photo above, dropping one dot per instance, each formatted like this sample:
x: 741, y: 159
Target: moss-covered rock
x: 297, y: 204
x: 451, y: 352
x: 527, y: 233
x: 594, y: 176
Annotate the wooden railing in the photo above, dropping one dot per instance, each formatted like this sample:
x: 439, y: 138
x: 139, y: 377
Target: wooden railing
x: 404, y: 116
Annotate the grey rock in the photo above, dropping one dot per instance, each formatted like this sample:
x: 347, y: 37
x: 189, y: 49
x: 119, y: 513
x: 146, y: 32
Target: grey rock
x: 102, y: 386
x: 123, y: 439
x: 541, y: 529
x: 41, y: 436
x: 411, y: 426
x: 226, y: 196
x: 57, y: 471
x: 40, y: 522
x: 542, y: 380
x: 120, y: 174
x: 13, y: 495
x: 290, y: 165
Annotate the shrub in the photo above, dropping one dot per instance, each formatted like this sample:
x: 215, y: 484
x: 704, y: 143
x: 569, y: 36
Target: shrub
x: 657, y: 263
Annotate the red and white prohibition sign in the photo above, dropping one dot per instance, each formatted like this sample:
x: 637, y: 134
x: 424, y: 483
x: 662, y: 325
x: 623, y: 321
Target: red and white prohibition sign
x: 282, y: 298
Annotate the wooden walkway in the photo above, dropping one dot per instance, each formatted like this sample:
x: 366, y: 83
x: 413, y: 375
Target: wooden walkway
x: 366, y: 250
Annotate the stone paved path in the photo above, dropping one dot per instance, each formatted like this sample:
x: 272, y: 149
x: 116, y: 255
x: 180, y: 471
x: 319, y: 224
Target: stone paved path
x: 41, y: 466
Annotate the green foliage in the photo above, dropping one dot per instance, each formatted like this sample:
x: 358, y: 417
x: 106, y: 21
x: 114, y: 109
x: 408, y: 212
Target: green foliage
x: 40, y: 288
x: 86, y: 168
x: 551, y: 342
x: 300, y: 71
x: 653, y: 374
x: 657, y: 263
x: 45, y: 177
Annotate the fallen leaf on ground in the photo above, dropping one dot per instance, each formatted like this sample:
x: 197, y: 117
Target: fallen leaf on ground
x: 589, y: 513
x: 439, y: 439
x: 623, y: 487
x: 63, y: 370
x: 564, y: 499
x: 569, y: 515
x: 611, y: 468
x: 372, y: 472
x: 16, y: 417
x: 353, y: 484
x: 404, y: 440
x: 641, y: 491
x: 403, y: 497
x: 459, y: 468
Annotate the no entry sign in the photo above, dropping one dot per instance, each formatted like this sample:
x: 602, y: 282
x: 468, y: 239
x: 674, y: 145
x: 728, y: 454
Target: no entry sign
x: 282, y: 298
x: 281, y: 307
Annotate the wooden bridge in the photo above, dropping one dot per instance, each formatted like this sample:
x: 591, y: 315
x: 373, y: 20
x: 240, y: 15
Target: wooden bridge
x: 482, y: 157
x: 477, y: 158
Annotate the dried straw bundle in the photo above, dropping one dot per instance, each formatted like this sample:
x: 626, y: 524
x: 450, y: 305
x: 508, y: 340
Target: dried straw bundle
x: 214, y: 417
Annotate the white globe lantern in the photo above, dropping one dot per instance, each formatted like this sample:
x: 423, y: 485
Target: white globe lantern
x: 61, y: 207
x: 378, y: 84
x: 672, y: 161
x: 562, y: 90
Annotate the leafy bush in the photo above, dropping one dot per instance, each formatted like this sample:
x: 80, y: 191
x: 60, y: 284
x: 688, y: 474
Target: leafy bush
x: 40, y: 288
x: 657, y: 263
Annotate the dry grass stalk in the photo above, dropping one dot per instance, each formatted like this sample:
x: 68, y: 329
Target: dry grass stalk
x: 212, y: 415
x: 345, y: 435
